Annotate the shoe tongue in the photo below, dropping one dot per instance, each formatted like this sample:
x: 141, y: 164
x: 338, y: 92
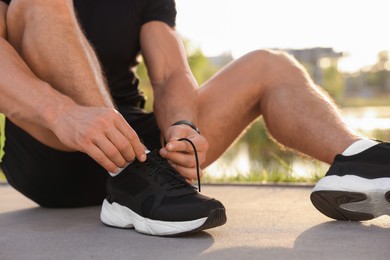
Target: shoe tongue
x: 180, y: 187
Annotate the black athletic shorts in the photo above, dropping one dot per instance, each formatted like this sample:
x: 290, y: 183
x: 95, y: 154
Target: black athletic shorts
x: 54, y: 178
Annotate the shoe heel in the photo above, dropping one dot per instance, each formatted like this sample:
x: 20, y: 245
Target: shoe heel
x: 328, y: 202
x: 110, y: 215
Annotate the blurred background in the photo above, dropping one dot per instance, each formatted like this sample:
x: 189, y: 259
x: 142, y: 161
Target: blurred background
x: 344, y: 45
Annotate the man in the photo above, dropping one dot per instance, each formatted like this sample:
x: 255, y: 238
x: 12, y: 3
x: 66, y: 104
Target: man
x: 65, y: 128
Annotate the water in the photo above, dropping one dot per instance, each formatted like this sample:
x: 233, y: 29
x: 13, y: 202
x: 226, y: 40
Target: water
x: 367, y: 119
x: 373, y: 122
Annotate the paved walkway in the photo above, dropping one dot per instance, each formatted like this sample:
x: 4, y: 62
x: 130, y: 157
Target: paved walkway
x: 263, y: 223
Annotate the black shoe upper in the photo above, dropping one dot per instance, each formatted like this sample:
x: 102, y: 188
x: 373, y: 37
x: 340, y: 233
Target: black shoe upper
x: 370, y: 164
x: 154, y: 190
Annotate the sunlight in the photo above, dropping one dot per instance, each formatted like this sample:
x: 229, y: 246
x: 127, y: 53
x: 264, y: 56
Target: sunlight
x: 240, y: 164
x: 357, y: 28
x: 367, y: 118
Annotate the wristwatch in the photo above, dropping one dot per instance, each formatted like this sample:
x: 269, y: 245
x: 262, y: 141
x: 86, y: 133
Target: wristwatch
x: 189, y: 123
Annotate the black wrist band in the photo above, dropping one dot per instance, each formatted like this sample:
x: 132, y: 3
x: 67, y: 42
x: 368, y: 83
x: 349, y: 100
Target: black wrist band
x: 189, y: 123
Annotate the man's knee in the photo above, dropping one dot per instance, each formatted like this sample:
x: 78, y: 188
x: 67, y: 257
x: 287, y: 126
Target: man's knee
x: 275, y: 60
x: 26, y: 10
x: 23, y: 15
x: 277, y: 66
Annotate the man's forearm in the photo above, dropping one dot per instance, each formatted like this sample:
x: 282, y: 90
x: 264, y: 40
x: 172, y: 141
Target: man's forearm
x: 176, y: 99
x: 175, y: 95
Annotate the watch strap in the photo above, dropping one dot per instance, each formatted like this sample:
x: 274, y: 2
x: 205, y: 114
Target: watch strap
x: 189, y: 123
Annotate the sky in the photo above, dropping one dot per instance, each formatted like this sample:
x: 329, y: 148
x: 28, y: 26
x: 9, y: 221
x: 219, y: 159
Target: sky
x: 358, y: 28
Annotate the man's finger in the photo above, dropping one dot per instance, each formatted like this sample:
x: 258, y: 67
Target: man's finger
x: 122, y: 144
x: 186, y: 160
x: 95, y: 153
x: 179, y: 146
x: 131, y: 135
x: 110, y: 151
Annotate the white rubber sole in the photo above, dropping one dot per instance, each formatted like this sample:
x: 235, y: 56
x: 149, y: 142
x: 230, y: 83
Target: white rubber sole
x: 119, y: 216
x: 352, y: 197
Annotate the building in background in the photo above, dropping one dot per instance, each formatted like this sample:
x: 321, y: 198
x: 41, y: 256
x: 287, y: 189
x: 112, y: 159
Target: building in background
x: 315, y: 60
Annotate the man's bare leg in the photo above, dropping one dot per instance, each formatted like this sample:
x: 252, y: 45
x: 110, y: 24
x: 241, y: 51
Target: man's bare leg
x: 46, y: 35
x: 274, y: 85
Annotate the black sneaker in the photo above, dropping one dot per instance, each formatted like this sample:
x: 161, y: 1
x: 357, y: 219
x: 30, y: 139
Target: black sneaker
x: 356, y: 187
x: 154, y: 199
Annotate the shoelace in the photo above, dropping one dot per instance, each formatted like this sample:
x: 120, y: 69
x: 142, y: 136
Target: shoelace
x: 196, y: 159
x: 161, y: 168
x: 160, y: 165
x: 177, y: 181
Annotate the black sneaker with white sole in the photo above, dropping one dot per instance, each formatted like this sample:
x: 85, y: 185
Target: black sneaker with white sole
x: 154, y: 199
x: 356, y: 187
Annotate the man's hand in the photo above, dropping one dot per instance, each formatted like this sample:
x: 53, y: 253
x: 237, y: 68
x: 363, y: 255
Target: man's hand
x: 180, y: 153
x: 102, y: 133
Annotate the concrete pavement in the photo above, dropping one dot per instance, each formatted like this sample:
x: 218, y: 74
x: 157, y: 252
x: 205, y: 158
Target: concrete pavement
x: 264, y: 222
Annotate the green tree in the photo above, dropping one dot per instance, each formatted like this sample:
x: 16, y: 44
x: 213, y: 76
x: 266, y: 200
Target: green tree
x: 378, y: 76
x: 200, y: 66
x: 333, y: 83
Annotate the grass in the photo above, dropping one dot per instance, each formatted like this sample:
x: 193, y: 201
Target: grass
x: 2, y: 177
x: 259, y: 178
x: 274, y: 173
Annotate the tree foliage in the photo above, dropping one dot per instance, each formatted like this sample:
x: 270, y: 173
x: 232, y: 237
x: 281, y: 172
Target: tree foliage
x: 333, y: 83
x: 201, y: 68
